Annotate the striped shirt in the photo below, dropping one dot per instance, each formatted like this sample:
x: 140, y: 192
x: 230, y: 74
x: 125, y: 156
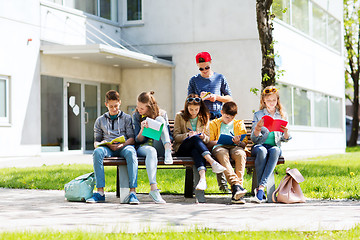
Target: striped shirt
x: 216, y: 84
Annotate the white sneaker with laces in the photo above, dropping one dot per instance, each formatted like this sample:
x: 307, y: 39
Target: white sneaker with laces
x: 217, y: 167
x: 168, y: 157
x: 201, y: 185
x: 155, y: 195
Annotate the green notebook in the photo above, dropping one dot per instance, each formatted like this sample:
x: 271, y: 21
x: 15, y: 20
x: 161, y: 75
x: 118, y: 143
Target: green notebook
x: 154, y: 130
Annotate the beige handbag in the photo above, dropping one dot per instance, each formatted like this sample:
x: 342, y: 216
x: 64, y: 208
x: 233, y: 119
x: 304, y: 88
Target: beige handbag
x: 289, y: 190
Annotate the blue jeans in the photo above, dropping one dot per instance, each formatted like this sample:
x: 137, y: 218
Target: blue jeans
x: 151, y: 160
x: 194, y: 147
x: 151, y: 153
x: 128, y: 152
x: 265, y: 161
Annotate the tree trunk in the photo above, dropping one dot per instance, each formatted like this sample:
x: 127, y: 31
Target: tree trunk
x: 265, y: 28
x: 355, y: 122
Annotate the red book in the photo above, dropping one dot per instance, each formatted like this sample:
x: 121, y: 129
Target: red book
x: 274, y: 124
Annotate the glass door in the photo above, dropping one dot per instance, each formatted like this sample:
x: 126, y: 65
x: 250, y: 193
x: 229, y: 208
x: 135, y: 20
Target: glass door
x: 74, y: 112
x: 83, y: 105
x: 91, y: 113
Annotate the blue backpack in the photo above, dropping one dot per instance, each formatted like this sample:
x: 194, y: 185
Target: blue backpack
x: 81, y: 188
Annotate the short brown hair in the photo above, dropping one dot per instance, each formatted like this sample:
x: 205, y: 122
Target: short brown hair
x: 112, y: 95
x: 230, y: 108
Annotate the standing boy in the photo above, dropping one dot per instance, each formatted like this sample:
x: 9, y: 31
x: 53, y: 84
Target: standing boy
x: 109, y: 126
x: 215, y: 90
x: 228, y: 126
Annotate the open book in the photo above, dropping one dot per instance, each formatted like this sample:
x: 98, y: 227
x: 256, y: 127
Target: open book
x: 153, y: 130
x: 225, y: 139
x: 274, y: 124
x: 120, y: 139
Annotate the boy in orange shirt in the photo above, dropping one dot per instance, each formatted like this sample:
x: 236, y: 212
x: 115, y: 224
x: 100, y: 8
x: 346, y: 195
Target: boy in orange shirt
x: 229, y: 126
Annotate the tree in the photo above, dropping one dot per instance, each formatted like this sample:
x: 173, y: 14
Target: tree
x: 352, y: 45
x: 265, y: 28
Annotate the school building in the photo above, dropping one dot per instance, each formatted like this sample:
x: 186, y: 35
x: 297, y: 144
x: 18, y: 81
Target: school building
x: 60, y: 57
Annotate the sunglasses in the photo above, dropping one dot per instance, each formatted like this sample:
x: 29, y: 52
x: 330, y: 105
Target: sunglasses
x: 206, y: 68
x: 270, y: 90
x: 191, y: 99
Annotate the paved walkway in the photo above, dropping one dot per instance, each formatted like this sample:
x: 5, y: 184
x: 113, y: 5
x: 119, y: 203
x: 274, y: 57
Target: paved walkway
x: 39, y: 210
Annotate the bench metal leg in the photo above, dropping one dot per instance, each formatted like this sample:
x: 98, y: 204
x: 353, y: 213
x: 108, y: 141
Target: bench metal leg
x: 189, y: 181
x: 254, y: 181
x: 117, y: 183
x: 270, y: 188
x: 123, y: 183
x: 199, y: 194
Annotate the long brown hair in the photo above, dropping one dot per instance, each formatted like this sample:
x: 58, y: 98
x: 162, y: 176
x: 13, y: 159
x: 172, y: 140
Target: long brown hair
x: 203, y: 114
x: 148, y: 99
x: 269, y: 90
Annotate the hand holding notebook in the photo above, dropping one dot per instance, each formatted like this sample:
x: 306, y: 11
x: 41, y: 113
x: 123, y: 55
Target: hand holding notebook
x: 153, y: 130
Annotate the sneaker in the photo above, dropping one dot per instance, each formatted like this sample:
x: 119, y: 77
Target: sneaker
x: 201, y: 185
x: 241, y: 200
x: 238, y: 192
x: 133, y: 199
x: 155, y: 195
x: 168, y: 157
x: 96, y: 198
x: 217, y: 167
x: 259, y: 196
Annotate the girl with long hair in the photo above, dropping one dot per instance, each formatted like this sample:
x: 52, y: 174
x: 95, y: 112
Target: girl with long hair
x: 147, y: 107
x: 267, y: 144
x: 191, y: 133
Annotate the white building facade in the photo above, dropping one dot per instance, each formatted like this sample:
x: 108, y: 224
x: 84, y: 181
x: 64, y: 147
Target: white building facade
x: 59, y: 58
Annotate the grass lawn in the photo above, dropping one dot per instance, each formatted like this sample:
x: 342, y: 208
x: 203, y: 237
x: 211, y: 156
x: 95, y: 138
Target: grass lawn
x: 193, y: 235
x: 330, y: 177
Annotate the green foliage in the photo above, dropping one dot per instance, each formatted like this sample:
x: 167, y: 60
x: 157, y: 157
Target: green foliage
x: 255, y: 91
x: 353, y: 233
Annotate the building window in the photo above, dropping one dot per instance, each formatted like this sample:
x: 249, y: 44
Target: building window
x: 311, y: 19
x: 52, y: 112
x: 308, y: 108
x: 4, y: 100
x: 286, y: 100
x: 321, y: 108
x: 134, y: 10
x: 319, y: 23
x: 281, y: 9
x: 335, y: 112
x: 107, y: 9
x: 300, y: 15
x: 302, y: 113
x: 334, y: 28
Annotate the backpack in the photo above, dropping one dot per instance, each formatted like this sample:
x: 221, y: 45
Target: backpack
x: 289, y: 190
x: 81, y: 188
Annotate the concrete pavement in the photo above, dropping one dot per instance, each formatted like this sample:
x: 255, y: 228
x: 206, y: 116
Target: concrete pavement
x: 41, y: 209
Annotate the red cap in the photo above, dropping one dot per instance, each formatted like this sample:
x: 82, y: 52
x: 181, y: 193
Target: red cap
x: 203, y: 57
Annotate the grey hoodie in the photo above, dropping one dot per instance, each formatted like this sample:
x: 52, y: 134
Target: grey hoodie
x: 107, y: 129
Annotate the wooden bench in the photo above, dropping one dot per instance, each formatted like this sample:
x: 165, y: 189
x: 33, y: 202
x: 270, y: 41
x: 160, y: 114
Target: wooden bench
x: 191, y: 174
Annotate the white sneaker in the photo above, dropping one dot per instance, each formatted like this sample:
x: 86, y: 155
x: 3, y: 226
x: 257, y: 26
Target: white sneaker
x: 201, y: 185
x: 155, y: 195
x: 217, y: 167
x: 168, y: 157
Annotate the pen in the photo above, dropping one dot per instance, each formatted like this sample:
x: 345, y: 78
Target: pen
x: 232, y: 134
x: 189, y: 129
